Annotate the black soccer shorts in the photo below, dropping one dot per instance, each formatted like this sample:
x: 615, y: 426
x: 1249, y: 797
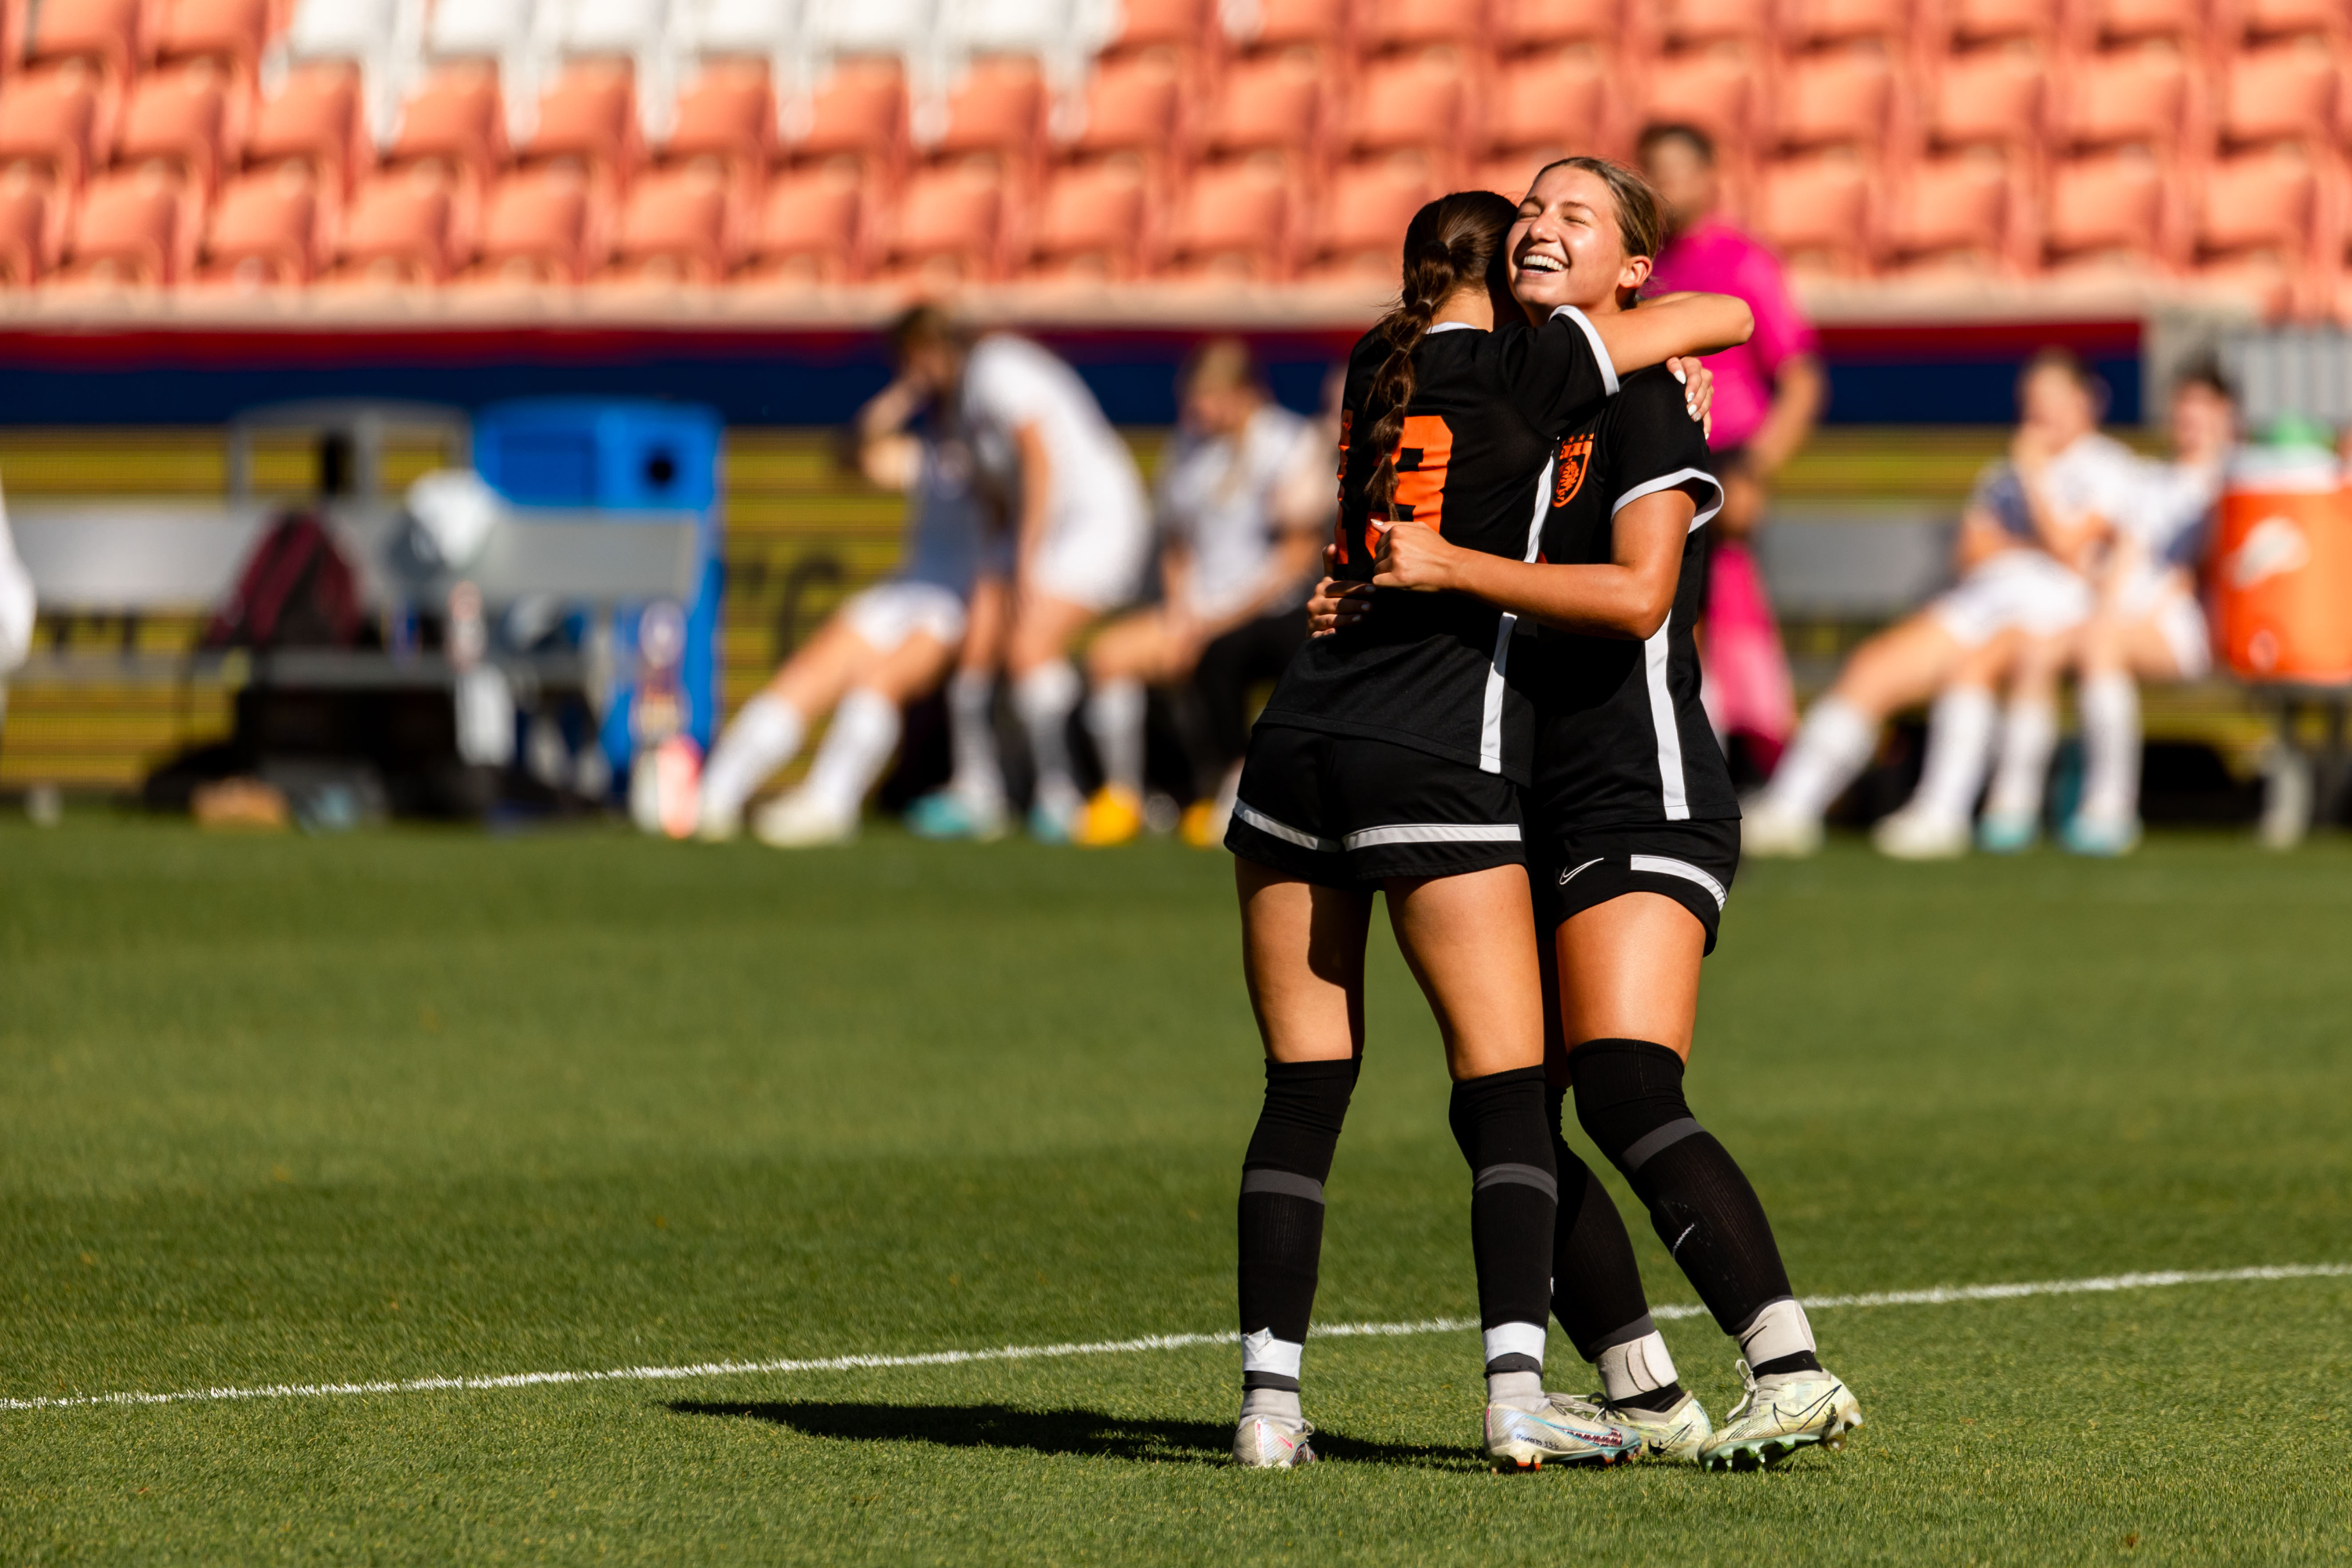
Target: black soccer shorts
x: 1350, y: 812
x: 1690, y: 862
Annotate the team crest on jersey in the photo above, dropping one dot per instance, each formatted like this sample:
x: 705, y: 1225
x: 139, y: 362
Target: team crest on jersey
x: 1575, y: 457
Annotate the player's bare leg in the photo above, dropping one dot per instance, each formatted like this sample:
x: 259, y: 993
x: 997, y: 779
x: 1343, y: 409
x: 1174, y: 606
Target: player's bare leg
x: 866, y: 723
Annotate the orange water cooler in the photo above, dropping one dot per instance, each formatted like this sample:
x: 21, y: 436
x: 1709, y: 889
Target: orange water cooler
x: 2281, y: 571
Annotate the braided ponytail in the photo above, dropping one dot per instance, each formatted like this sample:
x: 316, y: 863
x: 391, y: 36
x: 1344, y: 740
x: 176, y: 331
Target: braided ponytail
x: 1454, y: 240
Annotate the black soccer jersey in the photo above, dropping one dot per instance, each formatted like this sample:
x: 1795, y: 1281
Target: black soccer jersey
x: 1428, y: 670
x: 1621, y: 737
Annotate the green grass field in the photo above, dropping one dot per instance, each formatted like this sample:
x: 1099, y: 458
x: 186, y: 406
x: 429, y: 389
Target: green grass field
x: 290, y: 1111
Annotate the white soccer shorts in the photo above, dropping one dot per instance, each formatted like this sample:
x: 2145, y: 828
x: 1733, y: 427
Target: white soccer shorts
x: 2022, y: 588
x: 887, y: 615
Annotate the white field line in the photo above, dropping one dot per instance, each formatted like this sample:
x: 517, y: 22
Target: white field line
x: 1942, y: 1295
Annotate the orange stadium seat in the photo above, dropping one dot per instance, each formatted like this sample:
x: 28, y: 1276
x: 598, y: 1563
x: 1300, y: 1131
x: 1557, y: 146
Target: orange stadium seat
x: 535, y: 228
x: 1414, y: 101
x: 1508, y: 174
x: 457, y: 120
x: 1715, y: 90
x: 1809, y: 23
x: 810, y: 226
x: 1268, y: 24
x: 2281, y: 94
x: 315, y: 121
x: 1233, y: 223
x: 264, y: 229
x: 2263, y: 202
x: 1950, y: 214
x: 231, y: 31
x: 127, y: 230
x: 1519, y: 25
x: 1815, y: 210
x: 1090, y: 222
x: 107, y: 33
x: 25, y: 253
x: 859, y: 109
x: 999, y: 107
x: 173, y: 118
x: 675, y: 227
x: 46, y: 123
x: 1130, y: 106
x: 1834, y: 99
x: 2134, y: 98
x: 728, y: 111
x: 2242, y: 19
x: 1987, y: 98
x: 589, y: 118
x: 1268, y: 103
x: 1146, y: 23
x: 1968, y: 23
x: 397, y: 230
x: 1359, y: 233
x: 1547, y: 105
x: 1408, y: 23
x: 949, y: 225
x: 2105, y: 210
x: 1685, y: 23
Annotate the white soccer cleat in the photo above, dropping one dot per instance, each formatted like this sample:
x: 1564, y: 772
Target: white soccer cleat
x: 1781, y: 1413
x: 1272, y: 1443
x: 1771, y: 832
x: 1528, y: 1439
x: 715, y: 824
x: 1911, y: 835
x: 1682, y: 1433
x: 801, y: 821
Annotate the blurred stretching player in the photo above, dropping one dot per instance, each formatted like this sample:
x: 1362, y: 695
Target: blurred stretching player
x: 1633, y: 840
x: 1389, y: 758
x: 1236, y: 573
x: 883, y: 648
x: 2023, y: 536
x: 1081, y: 538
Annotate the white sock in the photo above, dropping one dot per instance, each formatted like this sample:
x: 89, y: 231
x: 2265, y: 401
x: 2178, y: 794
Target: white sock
x: 1282, y: 1404
x: 1044, y: 699
x: 857, y: 747
x: 1115, y: 719
x: 2029, y: 734
x: 972, y: 734
x: 1959, y: 747
x: 1832, y: 746
x: 1635, y: 1367
x: 1778, y: 1328
x: 2110, y: 709
x: 766, y: 733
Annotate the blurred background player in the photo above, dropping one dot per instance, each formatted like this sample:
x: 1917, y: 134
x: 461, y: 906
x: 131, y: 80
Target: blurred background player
x: 883, y: 648
x: 1082, y: 537
x: 1235, y: 567
x: 2145, y: 625
x: 2022, y: 534
x: 1769, y: 391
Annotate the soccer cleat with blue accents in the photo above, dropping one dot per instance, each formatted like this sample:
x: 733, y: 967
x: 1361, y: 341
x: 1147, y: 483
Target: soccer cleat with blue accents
x: 2006, y: 834
x: 1272, y: 1443
x: 1681, y: 1433
x: 2107, y: 839
x: 1781, y: 1413
x: 944, y: 813
x: 1526, y: 1439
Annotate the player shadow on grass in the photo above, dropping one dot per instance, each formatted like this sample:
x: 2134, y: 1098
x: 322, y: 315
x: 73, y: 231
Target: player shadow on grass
x: 1083, y: 1432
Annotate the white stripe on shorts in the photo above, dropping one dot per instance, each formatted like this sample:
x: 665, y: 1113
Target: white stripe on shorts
x: 1282, y: 830
x: 1436, y: 833
x: 1667, y: 866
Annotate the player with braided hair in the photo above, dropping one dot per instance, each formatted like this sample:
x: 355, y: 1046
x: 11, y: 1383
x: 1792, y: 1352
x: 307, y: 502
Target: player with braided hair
x: 1391, y: 759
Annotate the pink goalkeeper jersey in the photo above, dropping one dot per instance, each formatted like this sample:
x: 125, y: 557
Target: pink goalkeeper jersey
x: 1716, y: 259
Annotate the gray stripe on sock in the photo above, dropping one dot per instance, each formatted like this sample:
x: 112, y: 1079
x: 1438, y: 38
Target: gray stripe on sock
x: 1641, y: 1328
x: 1284, y: 1184
x: 1646, y: 1147
x: 1522, y: 1175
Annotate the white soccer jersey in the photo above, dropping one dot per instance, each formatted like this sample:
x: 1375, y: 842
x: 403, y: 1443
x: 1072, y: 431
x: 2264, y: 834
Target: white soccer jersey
x: 1217, y: 497
x: 16, y: 601
x: 2167, y: 511
x: 1010, y: 382
x: 2096, y: 476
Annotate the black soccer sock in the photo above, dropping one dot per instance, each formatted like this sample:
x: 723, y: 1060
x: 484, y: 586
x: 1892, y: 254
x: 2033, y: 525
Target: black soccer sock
x: 1629, y: 1097
x: 1281, y: 1215
x: 1596, y: 1285
x: 1498, y: 1121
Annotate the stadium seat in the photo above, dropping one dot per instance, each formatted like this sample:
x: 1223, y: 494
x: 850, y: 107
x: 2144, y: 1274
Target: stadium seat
x: 1386, y: 24
x: 481, y: 29
x: 589, y: 118
x: 47, y: 119
x: 172, y: 122
x: 1836, y: 97
x: 1948, y: 214
x: 2104, y: 23
x: 2135, y: 97
x: 1686, y: 24
x: 1233, y: 222
x: 1811, y: 24
x: 396, y: 230
x: 1091, y: 222
x: 674, y: 228
x: 859, y: 109
x: 1270, y: 104
x: 2260, y: 202
x: 2242, y: 20
x: 1360, y: 231
x: 1130, y: 106
x: 315, y: 121
x: 107, y: 33
x: 837, y: 30
x: 230, y: 31
x: 1271, y: 24
x: 1975, y: 23
x: 1148, y: 24
x: 742, y: 30
x: 1508, y: 174
x: 997, y: 106
x: 1715, y: 90
x: 1991, y: 98
x: 1414, y: 101
x: 949, y: 225
x: 965, y: 29
x: 2106, y: 211
x: 359, y: 33
x: 127, y: 231
x: 454, y: 127
x: 24, y: 229
x: 1815, y: 210
x: 535, y: 229
x: 2283, y: 93
x: 811, y: 226
x: 1547, y: 105
x: 1522, y: 24
x: 264, y: 229
x: 728, y: 111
